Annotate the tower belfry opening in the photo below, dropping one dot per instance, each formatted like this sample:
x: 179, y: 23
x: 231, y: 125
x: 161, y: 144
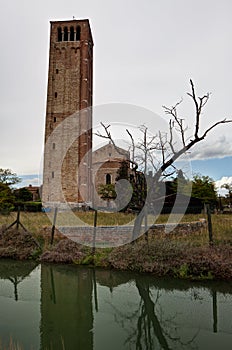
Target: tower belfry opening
x: 69, y: 91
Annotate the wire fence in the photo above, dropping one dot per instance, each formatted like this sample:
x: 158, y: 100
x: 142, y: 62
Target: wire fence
x: 217, y: 227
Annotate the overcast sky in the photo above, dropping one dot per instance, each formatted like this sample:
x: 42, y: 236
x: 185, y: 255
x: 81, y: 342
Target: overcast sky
x: 145, y: 53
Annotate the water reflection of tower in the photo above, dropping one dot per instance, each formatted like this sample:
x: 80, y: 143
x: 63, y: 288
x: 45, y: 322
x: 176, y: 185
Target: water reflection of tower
x: 66, y: 308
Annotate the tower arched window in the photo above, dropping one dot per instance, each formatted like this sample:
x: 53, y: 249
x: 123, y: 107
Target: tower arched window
x: 65, y: 34
x: 59, y: 34
x: 71, y: 34
x: 108, y: 179
x: 78, y: 33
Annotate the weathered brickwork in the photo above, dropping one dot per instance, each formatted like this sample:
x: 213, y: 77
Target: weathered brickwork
x: 69, y: 91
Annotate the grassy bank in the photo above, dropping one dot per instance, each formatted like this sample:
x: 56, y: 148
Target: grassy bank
x: 182, y: 254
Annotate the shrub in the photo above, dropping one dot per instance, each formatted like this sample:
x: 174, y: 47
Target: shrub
x: 29, y: 206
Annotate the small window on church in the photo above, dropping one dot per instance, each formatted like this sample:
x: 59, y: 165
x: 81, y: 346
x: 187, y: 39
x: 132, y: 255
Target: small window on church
x: 78, y: 33
x: 53, y: 175
x: 59, y: 34
x: 53, y: 146
x: 71, y: 34
x: 57, y: 71
x: 108, y: 179
x: 55, y: 94
x: 54, y: 119
x: 65, y: 34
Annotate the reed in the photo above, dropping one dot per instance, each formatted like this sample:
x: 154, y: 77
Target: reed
x: 10, y: 345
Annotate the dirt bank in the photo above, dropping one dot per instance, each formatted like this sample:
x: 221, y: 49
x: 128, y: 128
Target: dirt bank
x: 169, y: 255
x: 19, y: 245
x: 161, y: 257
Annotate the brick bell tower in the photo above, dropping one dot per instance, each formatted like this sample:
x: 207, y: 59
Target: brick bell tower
x: 66, y: 177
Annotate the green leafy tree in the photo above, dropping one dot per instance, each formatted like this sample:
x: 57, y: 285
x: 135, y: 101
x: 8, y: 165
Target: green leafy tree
x: 203, y: 187
x: 136, y: 181
x: 123, y: 170
x: 23, y: 195
x: 7, y: 198
x: 124, y: 197
x: 8, y: 177
x: 107, y: 192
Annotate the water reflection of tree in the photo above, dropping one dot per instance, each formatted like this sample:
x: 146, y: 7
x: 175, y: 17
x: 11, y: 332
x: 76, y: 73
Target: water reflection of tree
x: 16, y: 273
x: 151, y: 327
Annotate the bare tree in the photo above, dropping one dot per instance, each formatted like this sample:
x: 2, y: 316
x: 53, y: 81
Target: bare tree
x: 164, y: 143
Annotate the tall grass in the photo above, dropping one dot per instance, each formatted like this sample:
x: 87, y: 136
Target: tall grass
x: 33, y: 222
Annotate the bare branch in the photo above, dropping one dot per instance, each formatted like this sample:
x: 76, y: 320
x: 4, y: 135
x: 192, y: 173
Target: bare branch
x: 198, y: 106
x: 199, y: 102
x: 179, y: 122
x: 189, y: 145
x: 169, y: 174
x: 133, y: 144
x: 173, y: 109
x: 171, y: 125
x: 118, y: 149
x: 224, y: 121
x: 162, y: 147
x: 109, y: 137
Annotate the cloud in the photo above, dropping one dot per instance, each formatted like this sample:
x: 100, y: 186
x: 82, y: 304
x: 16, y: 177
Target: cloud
x: 222, y: 181
x: 214, y: 148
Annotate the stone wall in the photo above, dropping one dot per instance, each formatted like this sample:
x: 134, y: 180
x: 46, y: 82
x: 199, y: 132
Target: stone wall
x: 119, y: 235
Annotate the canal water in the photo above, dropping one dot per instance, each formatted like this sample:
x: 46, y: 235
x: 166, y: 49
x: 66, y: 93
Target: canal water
x: 68, y: 307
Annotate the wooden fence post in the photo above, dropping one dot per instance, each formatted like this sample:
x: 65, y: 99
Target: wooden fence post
x: 210, y: 230
x: 94, y: 232
x: 54, y: 225
x: 18, y: 218
x: 16, y: 222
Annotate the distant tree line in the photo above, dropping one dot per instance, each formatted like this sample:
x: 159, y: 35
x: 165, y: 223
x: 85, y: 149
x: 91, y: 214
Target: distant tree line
x: 203, y: 190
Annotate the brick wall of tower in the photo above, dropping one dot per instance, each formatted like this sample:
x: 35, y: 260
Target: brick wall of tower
x: 69, y: 90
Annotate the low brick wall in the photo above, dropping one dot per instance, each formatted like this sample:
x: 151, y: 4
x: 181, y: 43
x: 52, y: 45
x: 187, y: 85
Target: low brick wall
x: 109, y: 236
